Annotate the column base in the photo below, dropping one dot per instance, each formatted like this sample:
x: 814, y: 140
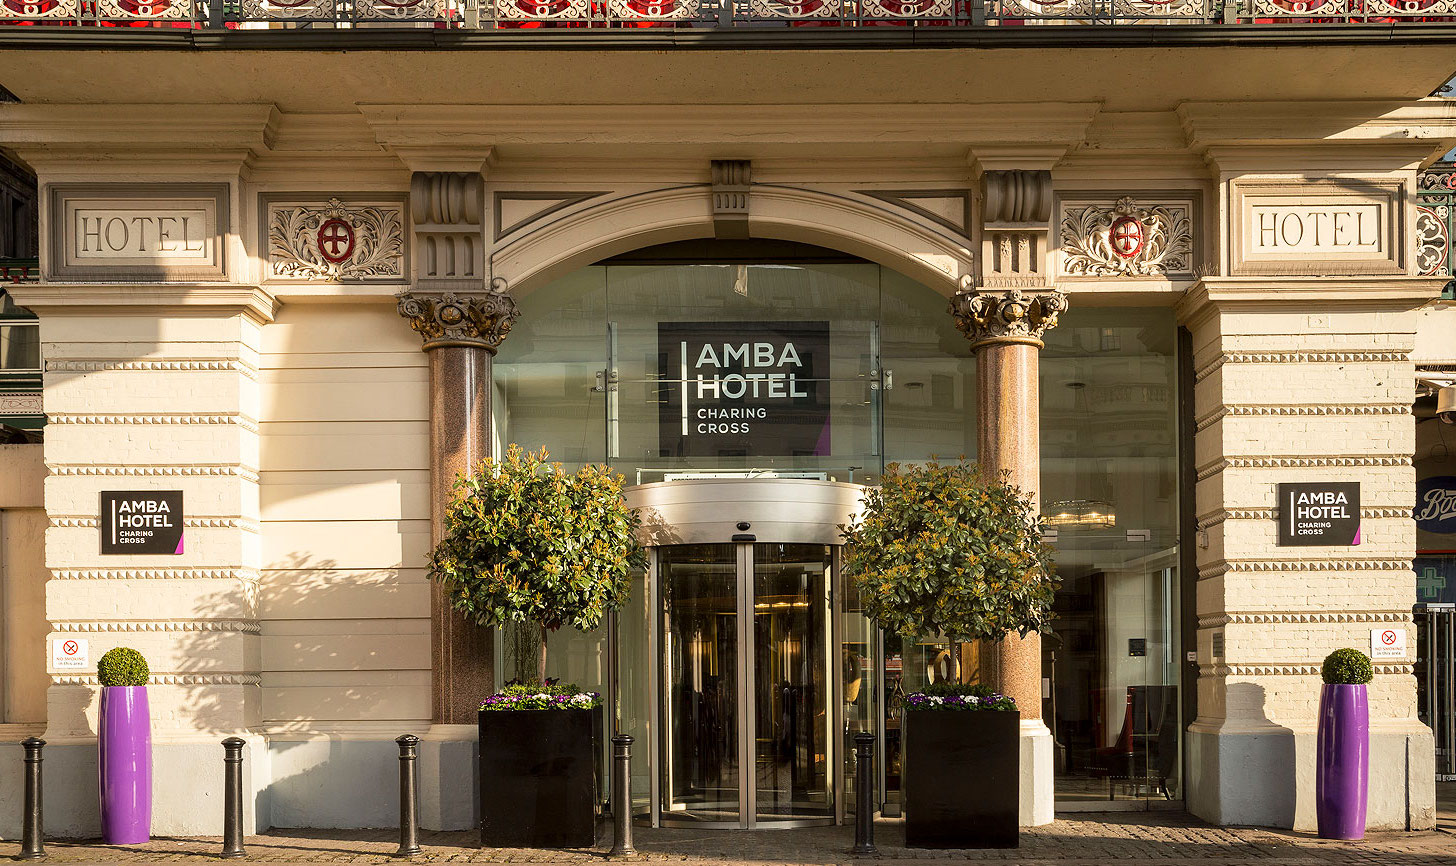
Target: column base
x: 1038, y: 782
x: 449, y: 800
x: 1265, y: 777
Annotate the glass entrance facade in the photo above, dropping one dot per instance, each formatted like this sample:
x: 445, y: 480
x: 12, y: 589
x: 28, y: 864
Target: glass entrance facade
x: 747, y: 661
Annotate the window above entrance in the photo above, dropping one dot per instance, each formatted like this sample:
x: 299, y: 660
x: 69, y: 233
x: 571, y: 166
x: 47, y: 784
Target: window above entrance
x: 809, y: 366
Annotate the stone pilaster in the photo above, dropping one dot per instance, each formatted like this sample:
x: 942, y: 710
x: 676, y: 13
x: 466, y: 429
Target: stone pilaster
x: 154, y: 388
x: 1005, y: 330
x: 1298, y: 385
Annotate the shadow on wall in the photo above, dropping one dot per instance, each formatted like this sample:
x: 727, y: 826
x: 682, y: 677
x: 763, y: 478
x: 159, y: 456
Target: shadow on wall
x: 313, y: 778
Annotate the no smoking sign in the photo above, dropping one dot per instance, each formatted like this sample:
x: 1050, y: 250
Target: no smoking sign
x: 1387, y: 643
x: 70, y: 653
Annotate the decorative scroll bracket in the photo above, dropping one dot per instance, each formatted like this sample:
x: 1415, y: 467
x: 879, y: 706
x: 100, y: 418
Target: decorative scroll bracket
x: 1016, y: 228
x: 446, y: 209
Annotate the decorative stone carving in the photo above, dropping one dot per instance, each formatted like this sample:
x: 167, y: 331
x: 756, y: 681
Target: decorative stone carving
x: 1015, y: 222
x: 336, y: 242
x: 1017, y: 196
x: 447, y: 209
x: 1006, y: 317
x: 1127, y: 240
x: 479, y: 321
x: 732, y: 182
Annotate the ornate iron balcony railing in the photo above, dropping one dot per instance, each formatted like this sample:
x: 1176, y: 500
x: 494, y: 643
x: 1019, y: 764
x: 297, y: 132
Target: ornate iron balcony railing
x: 504, y: 14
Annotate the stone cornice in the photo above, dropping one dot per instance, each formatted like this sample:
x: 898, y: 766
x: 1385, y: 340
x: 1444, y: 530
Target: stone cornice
x: 483, y: 126
x: 1418, y: 124
x: 1212, y: 295
x: 198, y: 299
x: 216, y: 134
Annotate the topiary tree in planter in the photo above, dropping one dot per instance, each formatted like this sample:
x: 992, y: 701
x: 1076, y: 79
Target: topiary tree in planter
x: 941, y: 549
x: 1342, y: 745
x: 527, y: 542
x: 124, y: 747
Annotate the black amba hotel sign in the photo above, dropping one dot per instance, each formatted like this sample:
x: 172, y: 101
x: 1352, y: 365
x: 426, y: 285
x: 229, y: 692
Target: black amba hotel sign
x: 743, y: 389
x: 1319, y: 515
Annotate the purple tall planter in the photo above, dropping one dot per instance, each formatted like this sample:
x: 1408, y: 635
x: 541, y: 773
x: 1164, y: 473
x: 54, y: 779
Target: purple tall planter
x: 1342, y: 777
x: 124, y: 762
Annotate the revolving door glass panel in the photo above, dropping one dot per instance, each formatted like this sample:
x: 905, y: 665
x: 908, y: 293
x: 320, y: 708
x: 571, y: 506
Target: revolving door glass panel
x: 700, y: 756
x: 745, y: 646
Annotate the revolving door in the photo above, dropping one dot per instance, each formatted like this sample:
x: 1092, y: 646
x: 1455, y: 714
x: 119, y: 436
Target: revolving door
x: 744, y: 647
x: 730, y: 665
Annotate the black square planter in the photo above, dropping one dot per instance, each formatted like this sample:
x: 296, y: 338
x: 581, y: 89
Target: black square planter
x: 538, y: 778
x: 962, y: 778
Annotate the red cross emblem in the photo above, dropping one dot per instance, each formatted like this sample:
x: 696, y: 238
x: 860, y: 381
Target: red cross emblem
x: 335, y: 240
x: 1127, y: 237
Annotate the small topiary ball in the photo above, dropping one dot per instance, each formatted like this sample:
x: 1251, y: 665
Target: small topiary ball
x: 1347, y: 667
x: 123, y: 666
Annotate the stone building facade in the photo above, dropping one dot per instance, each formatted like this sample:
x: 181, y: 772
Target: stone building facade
x: 227, y: 254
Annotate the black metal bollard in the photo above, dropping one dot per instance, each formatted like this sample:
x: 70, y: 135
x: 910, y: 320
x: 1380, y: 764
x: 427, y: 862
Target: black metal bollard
x: 232, y: 808
x: 864, y: 795
x: 622, y: 797
x: 409, y: 807
x: 32, y: 838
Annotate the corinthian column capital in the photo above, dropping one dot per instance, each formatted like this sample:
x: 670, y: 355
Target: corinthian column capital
x: 479, y: 321
x: 1009, y: 316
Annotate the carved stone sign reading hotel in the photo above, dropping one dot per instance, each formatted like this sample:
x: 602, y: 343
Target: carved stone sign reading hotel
x: 1324, y: 227
x: 125, y: 231
x: 1318, y: 229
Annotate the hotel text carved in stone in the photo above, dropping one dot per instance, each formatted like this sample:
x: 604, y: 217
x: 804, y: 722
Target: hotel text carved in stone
x: 1126, y: 240
x: 336, y: 242
x: 478, y: 321
x: 1011, y: 316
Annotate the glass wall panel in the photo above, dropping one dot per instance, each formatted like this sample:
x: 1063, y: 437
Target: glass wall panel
x: 634, y: 687
x: 930, y: 393
x: 741, y: 368
x: 1109, y: 489
x: 547, y: 392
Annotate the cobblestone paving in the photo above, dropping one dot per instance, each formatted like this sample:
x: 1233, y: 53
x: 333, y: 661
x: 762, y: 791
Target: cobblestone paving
x: 1128, y: 839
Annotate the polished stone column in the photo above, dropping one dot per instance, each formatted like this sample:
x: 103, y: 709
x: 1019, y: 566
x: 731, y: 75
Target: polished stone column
x: 461, y: 334
x: 1005, y: 329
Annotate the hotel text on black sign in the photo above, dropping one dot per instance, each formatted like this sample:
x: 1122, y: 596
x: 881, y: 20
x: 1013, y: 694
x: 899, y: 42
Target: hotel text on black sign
x: 1323, y: 515
x: 743, y: 389
x: 141, y: 521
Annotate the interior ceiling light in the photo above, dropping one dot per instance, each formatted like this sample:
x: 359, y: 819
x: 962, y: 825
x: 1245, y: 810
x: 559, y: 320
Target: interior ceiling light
x: 1080, y: 513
